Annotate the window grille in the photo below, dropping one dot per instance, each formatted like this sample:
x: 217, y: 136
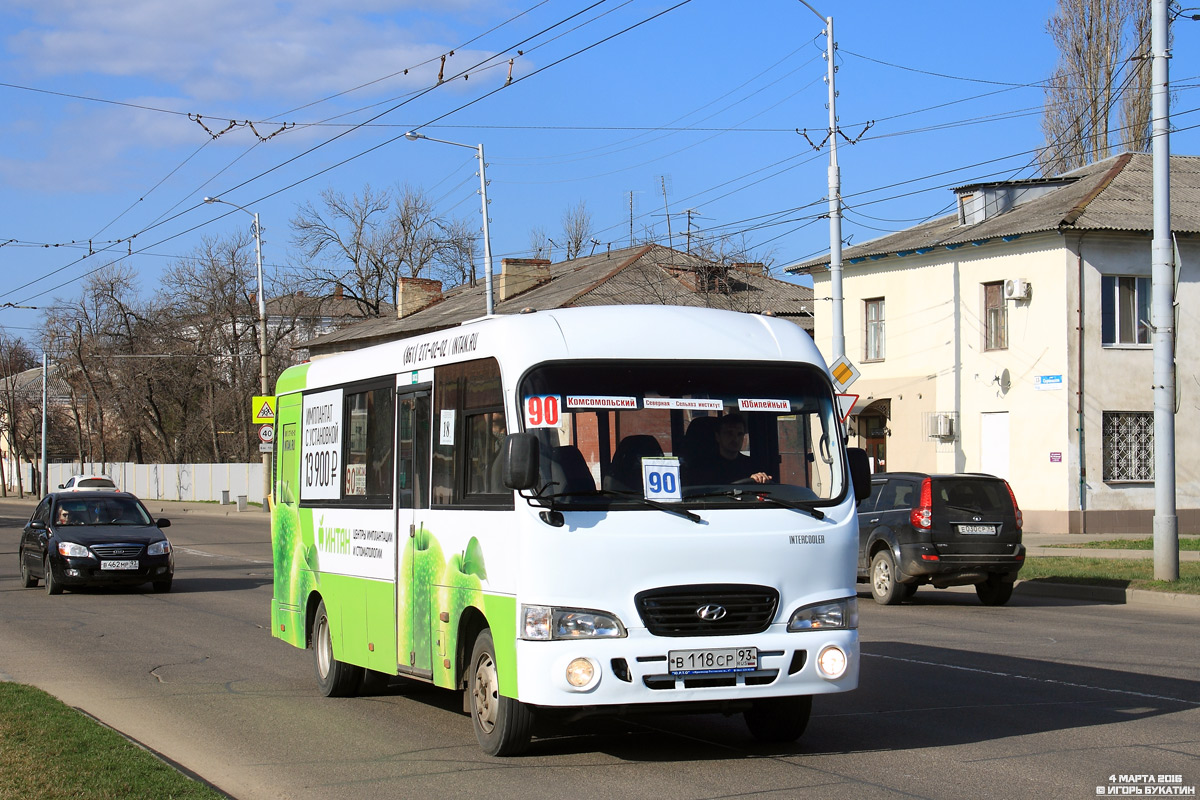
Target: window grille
x: 1128, y: 446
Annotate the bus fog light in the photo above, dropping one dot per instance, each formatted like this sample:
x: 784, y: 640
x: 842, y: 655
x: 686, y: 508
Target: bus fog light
x: 832, y: 662
x: 580, y: 672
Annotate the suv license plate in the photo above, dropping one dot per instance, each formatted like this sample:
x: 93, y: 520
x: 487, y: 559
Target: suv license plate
x: 118, y: 565
x: 987, y: 530
x: 727, y: 659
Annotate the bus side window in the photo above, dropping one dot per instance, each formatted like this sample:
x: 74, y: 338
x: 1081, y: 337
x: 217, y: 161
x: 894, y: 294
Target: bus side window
x: 367, y: 455
x: 468, y: 412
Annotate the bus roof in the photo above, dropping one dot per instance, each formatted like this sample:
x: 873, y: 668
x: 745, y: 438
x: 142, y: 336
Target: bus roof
x: 518, y: 341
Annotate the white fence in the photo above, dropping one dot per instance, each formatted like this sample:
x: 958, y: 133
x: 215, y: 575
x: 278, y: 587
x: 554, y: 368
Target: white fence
x: 197, y: 482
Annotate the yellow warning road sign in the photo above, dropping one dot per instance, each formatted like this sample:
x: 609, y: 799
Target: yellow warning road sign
x: 263, y: 409
x: 843, y: 372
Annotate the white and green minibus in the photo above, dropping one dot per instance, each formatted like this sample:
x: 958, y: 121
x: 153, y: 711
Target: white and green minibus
x: 564, y: 513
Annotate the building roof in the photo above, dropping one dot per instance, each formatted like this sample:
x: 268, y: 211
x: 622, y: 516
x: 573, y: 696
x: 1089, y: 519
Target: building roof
x: 1115, y: 194
x: 648, y: 274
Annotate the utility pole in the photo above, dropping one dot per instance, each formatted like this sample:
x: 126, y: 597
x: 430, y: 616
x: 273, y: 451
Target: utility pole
x: 667, y: 208
x: 1162, y: 271
x: 45, y: 480
x: 835, y: 193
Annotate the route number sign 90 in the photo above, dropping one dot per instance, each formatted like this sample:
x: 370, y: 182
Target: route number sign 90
x: 543, y: 411
x: 660, y: 479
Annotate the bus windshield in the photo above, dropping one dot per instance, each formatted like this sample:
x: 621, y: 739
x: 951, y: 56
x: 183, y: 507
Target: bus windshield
x: 735, y: 430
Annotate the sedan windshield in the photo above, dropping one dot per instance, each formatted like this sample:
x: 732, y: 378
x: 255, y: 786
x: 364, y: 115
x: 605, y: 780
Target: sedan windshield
x: 101, y: 511
x: 700, y: 433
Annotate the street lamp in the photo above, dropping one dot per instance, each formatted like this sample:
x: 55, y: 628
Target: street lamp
x: 412, y: 136
x: 262, y: 333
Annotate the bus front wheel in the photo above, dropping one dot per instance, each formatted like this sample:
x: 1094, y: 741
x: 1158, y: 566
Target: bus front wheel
x: 334, y: 678
x: 778, y: 719
x: 503, y: 725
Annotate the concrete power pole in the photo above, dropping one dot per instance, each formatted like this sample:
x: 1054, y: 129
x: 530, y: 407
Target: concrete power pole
x: 1166, y: 522
x: 835, y: 195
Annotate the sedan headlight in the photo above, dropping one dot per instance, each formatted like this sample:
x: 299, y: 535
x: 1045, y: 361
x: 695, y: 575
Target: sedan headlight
x: 543, y: 623
x: 825, y: 616
x: 72, y: 550
x: 159, y: 548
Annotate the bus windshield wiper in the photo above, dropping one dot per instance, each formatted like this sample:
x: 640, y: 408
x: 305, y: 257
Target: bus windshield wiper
x: 668, y: 507
x: 762, y: 496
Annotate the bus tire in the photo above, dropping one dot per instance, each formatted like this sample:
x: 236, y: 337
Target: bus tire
x: 502, y: 725
x: 334, y: 678
x: 778, y: 719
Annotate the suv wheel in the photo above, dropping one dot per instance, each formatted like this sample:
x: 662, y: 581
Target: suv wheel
x: 995, y: 591
x: 886, y: 590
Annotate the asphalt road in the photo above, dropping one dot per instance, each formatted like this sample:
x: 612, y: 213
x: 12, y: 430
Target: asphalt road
x: 1039, y: 698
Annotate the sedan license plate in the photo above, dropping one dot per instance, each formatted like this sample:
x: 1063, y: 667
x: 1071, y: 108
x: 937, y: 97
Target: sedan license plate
x: 726, y: 659
x: 119, y: 564
x: 986, y: 530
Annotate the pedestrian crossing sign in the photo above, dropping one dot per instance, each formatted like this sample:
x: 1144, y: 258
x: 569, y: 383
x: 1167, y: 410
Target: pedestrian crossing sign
x: 263, y: 409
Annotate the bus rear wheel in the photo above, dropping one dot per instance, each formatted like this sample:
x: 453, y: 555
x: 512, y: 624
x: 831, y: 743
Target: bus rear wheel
x: 778, y: 719
x: 503, y: 725
x: 334, y: 678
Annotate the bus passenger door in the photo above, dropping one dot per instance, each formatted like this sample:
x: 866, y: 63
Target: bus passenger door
x: 414, y: 578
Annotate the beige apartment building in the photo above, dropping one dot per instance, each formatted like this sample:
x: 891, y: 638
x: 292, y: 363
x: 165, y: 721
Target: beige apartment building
x: 1012, y: 337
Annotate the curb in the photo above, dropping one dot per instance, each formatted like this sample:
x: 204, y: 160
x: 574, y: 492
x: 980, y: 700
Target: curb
x: 1110, y: 594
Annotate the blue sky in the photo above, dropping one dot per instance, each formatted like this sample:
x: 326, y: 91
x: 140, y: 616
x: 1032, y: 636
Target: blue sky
x: 100, y: 140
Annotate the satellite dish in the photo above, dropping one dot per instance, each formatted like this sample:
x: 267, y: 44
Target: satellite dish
x: 1005, y: 382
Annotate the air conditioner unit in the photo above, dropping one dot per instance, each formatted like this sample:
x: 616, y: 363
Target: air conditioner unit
x: 1016, y: 289
x: 941, y: 426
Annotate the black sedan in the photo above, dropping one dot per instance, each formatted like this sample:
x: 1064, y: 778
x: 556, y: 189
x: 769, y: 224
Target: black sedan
x: 92, y: 539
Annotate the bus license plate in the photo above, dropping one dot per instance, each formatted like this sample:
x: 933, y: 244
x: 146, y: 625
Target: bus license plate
x: 987, y: 530
x: 118, y: 565
x: 727, y: 659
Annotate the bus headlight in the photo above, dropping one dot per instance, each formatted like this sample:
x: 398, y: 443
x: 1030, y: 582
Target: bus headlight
x: 832, y: 662
x: 826, y: 616
x: 543, y: 623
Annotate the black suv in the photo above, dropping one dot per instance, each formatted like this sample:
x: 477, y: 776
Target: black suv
x: 945, y: 530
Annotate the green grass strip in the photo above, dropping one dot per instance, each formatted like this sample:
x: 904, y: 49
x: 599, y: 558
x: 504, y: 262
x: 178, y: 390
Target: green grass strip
x: 1119, y: 572
x: 1147, y: 543
x: 49, y: 751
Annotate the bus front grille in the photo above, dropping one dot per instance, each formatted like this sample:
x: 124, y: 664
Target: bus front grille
x: 707, y: 610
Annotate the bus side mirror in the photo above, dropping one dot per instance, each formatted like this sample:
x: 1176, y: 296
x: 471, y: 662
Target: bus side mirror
x: 522, y: 459
x: 860, y: 472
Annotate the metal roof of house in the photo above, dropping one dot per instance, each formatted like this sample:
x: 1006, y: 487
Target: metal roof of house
x: 1111, y: 195
x: 649, y: 274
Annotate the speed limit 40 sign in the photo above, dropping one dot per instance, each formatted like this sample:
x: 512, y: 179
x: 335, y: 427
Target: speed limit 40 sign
x: 266, y: 434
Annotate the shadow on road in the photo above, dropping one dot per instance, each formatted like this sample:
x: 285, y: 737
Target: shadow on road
x: 911, y: 697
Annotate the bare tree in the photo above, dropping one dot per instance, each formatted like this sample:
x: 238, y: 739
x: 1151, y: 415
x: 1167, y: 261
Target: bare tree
x: 576, y: 229
x: 15, y: 358
x: 1102, y: 74
x: 539, y: 242
x: 365, y: 243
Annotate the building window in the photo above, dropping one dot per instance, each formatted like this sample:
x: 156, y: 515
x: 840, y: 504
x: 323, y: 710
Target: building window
x: 995, y: 317
x: 875, y: 330
x: 1128, y: 446
x: 965, y: 211
x: 1125, y: 309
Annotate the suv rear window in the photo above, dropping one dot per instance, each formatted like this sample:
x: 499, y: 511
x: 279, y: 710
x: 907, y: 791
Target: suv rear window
x: 971, y: 494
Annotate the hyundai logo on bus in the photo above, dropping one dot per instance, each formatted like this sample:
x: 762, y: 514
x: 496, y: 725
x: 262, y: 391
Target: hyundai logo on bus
x: 711, y: 612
